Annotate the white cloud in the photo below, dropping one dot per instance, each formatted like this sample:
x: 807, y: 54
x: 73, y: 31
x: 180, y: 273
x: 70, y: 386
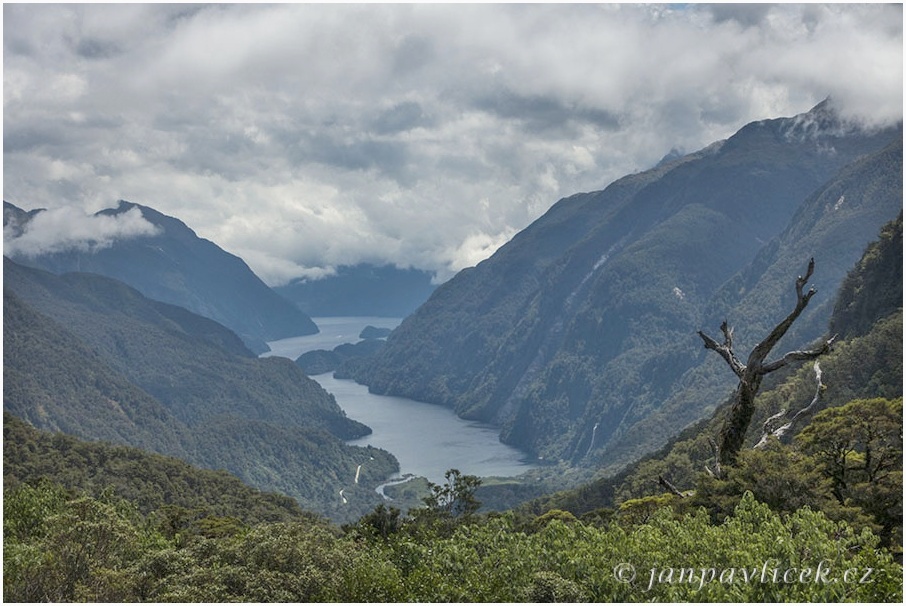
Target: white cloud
x: 308, y: 136
x: 64, y: 229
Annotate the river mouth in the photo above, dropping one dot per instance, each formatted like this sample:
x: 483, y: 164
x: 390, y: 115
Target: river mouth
x: 427, y: 439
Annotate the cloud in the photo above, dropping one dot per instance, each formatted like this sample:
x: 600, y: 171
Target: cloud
x: 307, y: 136
x: 478, y: 247
x: 65, y: 229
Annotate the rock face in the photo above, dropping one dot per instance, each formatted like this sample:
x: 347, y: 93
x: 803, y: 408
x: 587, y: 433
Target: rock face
x: 175, y: 266
x: 578, y: 337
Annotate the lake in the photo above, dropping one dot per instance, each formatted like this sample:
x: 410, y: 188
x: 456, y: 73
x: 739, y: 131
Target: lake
x: 427, y: 439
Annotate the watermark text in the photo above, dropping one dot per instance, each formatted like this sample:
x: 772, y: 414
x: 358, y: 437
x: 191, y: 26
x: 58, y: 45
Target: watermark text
x: 769, y: 572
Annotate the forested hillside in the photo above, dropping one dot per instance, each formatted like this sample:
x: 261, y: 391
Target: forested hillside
x: 153, y: 483
x: 833, y: 225
x: 92, y: 357
x: 578, y: 337
x: 842, y: 455
x: 64, y: 546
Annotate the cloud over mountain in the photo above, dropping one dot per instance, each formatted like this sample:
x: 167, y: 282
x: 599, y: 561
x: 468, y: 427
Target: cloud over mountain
x: 65, y: 228
x: 303, y: 137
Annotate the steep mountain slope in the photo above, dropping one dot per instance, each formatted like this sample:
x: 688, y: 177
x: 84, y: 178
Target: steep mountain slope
x: 55, y: 381
x: 833, y: 225
x: 91, y: 356
x: 582, y: 325
x: 176, y: 266
x: 873, y: 290
x: 866, y: 363
x: 361, y: 290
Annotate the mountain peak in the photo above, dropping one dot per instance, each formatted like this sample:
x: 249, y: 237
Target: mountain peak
x: 823, y: 120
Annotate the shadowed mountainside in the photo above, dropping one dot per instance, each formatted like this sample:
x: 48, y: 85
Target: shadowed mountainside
x: 583, y: 327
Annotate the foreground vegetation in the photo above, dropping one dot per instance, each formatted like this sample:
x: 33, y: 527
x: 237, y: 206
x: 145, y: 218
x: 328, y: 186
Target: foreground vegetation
x: 62, y: 546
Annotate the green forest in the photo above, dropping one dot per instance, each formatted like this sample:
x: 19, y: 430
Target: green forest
x: 64, y: 545
x: 812, y: 516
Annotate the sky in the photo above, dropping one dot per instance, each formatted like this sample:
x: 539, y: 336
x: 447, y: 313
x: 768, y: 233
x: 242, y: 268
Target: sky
x: 303, y: 137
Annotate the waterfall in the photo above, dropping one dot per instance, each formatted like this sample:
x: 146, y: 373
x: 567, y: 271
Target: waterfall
x: 594, y: 430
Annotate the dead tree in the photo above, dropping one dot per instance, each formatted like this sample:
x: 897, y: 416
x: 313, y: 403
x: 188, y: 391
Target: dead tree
x: 779, y: 424
x: 753, y: 371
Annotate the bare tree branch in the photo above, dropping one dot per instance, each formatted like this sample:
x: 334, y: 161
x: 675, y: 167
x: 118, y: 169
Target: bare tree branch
x: 666, y: 484
x: 768, y: 428
x: 726, y: 349
x: 717, y: 473
x: 798, y: 356
x: 761, y: 351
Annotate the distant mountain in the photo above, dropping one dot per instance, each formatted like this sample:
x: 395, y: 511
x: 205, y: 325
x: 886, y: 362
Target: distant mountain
x: 362, y: 290
x: 92, y: 357
x: 582, y: 328
x: 176, y: 266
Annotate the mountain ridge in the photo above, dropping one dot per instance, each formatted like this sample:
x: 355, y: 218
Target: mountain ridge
x: 607, y: 290
x: 176, y: 266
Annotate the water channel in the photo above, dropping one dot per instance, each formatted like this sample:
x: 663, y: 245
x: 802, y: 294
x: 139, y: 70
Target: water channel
x: 426, y: 439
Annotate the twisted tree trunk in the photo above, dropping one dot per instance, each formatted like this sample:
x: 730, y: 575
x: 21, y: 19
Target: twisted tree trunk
x: 753, y: 371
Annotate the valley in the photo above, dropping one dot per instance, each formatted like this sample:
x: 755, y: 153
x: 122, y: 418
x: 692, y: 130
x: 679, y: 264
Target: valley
x: 426, y: 440
x: 547, y: 413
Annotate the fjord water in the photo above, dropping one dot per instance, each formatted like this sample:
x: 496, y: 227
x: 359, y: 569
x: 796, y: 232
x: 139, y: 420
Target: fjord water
x: 426, y: 439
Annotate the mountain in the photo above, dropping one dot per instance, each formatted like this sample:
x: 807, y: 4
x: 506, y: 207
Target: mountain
x: 833, y: 225
x: 866, y: 363
x: 873, y: 290
x: 176, y: 266
x: 55, y: 381
x: 361, y: 290
x: 93, y: 357
x: 583, y: 327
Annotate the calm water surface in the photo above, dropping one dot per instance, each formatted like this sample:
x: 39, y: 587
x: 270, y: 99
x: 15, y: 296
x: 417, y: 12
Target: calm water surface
x: 426, y: 439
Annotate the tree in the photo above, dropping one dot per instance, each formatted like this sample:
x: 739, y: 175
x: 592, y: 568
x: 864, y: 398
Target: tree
x: 456, y: 497
x: 753, y: 371
x: 383, y: 521
x: 860, y: 447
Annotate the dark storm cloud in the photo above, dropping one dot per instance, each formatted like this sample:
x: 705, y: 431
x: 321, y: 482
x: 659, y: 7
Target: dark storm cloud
x: 747, y: 15
x: 388, y: 157
x: 412, y: 54
x: 401, y: 117
x: 542, y: 114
